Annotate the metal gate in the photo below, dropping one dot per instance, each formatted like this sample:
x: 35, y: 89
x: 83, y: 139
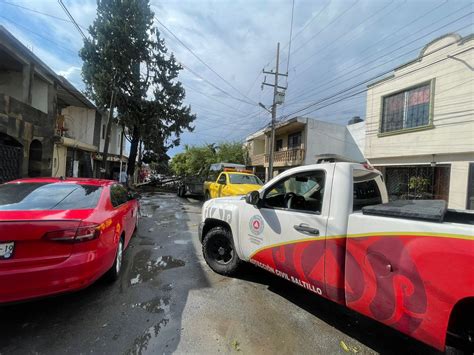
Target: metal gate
x: 10, y: 162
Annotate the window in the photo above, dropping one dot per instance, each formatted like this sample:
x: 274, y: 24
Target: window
x: 279, y: 145
x: 365, y: 193
x: 118, y: 195
x: 222, y: 179
x: 48, y: 196
x: 470, y: 188
x: 244, y: 179
x: 300, y: 192
x: 103, y: 131
x: 407, y: 109
x: 294, y: 140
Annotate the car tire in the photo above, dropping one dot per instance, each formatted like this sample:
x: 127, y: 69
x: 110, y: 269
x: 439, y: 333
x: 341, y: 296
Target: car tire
x: 114, y: 272
x: 219, y: 251
x: 207, y: 196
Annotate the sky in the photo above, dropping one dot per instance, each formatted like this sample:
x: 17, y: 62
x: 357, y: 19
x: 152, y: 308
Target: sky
x: 336, y: 46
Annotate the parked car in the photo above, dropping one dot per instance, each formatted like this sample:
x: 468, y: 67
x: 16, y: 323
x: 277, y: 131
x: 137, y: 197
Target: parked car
x: 329, y: 229
x: 61, y: 235
x: 231, y: 182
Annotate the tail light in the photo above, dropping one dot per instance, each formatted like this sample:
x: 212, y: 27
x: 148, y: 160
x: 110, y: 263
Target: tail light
x: 83, y: 233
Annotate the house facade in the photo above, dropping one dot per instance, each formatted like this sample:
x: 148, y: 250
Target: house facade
x: 300, y: 141
x: 47, y: 126
x: 420, y: 124
x: 27, y: 111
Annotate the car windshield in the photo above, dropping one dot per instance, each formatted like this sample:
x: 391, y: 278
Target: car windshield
x: 244, y: 179
x: 48, y: 196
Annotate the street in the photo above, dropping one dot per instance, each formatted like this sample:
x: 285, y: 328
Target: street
x: 168, y: 300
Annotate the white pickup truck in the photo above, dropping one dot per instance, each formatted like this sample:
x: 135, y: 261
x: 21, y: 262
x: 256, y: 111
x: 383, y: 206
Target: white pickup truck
x: 329, y: 229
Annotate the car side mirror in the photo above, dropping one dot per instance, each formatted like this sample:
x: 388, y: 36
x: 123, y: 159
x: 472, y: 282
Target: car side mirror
x: 253, y: 198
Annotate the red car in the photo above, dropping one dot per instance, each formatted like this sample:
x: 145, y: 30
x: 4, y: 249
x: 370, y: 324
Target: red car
x: 60, y: 235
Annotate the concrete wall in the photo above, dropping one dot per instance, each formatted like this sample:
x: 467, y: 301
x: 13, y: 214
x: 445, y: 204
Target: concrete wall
x: 39, y: 95
x: 80, y: 122
x: 114, y: 143
x: 356, y: 135
x: 59, y: 161
x: 328, y: 138
x: 10, y: 84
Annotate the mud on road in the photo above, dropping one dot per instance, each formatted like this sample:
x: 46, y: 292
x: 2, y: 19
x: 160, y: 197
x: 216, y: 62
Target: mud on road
x: 167, y: 300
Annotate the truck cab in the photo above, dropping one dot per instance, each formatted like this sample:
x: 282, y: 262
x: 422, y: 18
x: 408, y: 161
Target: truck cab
x: 320, y: 226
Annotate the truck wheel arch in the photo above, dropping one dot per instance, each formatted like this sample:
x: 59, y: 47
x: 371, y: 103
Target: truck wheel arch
x: 460, y: 324
x: 210, y: 223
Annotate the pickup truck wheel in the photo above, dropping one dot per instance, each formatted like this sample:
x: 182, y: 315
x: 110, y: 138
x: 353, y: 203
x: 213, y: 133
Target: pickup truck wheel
x: 207, y: 196
x: 219, y: 251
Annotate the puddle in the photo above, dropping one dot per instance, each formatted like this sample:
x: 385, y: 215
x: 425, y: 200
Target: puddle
x: 145, y: 268
x: 140, y: 345
x: 156, y: 305
x: 179, y: 215
x: 181, y: 242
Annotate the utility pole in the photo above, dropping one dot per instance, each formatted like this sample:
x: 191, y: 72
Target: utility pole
x: 277, y: 99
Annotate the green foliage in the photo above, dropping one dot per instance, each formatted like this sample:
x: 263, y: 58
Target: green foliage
x: 195, y: 159
x: 125, y: 53
x: 418, y: 183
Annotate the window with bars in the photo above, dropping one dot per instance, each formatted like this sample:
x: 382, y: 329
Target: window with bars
x: 406, y: 109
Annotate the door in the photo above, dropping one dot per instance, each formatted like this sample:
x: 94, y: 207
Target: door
x: 286, y: 235
x: 220, y: 185
x: 123, y: 208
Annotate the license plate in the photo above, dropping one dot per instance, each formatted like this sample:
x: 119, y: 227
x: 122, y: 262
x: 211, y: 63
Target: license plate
x: 6, y: 250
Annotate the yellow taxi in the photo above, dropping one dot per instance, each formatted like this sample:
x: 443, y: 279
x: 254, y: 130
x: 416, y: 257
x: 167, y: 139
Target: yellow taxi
x: 231, y: 182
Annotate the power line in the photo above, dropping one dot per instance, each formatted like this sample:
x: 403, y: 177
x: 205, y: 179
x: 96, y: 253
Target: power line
x: 289, y: 42
x: 371, y: 79
x: 391, y: 60
x: 38, y: 12
x: 72, y: 19
x: 364, y: 64
x: 325, y: 27
x: 203, y: 62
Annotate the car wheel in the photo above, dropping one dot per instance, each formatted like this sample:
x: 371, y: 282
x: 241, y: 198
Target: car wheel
x: 219, y: 251
x: 114, y: 272
x: 207, y: 196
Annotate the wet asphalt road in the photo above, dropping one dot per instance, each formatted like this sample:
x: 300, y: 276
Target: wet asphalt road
x: 168, y: 300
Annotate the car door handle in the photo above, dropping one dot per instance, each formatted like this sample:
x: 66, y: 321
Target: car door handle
x: 305, y: 229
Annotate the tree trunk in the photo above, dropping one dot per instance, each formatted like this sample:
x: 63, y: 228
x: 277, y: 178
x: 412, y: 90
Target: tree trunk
x: 133, y: 152
x: 107, y: 135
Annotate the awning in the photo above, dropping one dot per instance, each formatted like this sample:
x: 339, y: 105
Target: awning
x: 73, y: 143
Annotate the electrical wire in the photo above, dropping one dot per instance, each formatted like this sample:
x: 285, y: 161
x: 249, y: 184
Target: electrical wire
x: 203, y: 62
x: 72, y: 18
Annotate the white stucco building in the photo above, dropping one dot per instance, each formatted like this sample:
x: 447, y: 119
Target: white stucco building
x: 420, y: 124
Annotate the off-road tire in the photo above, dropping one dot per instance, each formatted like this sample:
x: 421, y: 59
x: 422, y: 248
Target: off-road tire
x: 222, y: 237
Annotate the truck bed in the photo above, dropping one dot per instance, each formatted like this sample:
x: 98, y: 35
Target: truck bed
x: 426, y: 210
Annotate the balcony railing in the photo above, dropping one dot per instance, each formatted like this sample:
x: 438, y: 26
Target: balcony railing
x: 286, y: 156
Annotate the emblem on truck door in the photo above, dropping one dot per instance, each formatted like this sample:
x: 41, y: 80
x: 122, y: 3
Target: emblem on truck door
x: 256, y: 225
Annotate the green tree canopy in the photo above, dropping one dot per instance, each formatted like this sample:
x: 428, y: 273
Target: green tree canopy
x: 125, y: 53
x: 195, y: 159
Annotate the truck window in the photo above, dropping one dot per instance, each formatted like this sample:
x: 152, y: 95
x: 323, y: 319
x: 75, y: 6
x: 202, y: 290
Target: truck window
x: 299, y: 192
x: 365, y: 190
x: 244, y: 179
x: 222, y: 179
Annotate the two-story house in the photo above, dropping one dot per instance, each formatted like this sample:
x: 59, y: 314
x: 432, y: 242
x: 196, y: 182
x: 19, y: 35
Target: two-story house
x: 420, y: 124
x: 47, y: 126
x: 300, y: 141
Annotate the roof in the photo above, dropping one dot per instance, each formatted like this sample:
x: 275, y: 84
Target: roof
x: 84, y: 181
